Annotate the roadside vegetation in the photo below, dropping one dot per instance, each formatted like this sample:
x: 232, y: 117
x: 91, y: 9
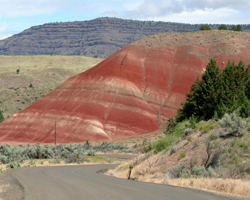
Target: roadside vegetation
x: 209, y: 140
x: 32, y: 155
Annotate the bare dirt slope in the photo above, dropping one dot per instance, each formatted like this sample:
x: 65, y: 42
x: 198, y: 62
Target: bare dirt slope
x: 130, y: 93
x: 45, y: 73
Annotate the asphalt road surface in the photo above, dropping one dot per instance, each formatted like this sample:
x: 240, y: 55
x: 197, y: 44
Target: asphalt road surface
x: 82, y: 182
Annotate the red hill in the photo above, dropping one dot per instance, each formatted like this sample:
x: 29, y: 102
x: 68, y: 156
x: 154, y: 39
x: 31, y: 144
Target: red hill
x: 132, y: 92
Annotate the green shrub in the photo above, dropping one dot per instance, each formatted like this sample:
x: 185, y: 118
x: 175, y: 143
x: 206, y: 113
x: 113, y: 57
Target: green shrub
x: 1, y: 117
x: 211, y: 137
x: 163, y: 144
x: 222, y: 27
x: 179, y: 171
x: 170, y: 127
x: 76, y: 157
x: 13, y: 165
x: 182, y: 128
x: 201, y: 171
x: 187, y: 131
x: 72, y: 152
x: 234, y: 124
x: 206, y: 126
x: 91, y: 153
x: 195, y: 143
x: 205, y: 27
x: 182, y: 155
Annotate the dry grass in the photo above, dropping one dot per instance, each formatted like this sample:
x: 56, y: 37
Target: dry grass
x: 3, y: 188
x: 155, y: 168
x: 205, y: 38
x: 139, y: 140
x: 222, y: 42
x: 226, y: 186
x: 44, y: 72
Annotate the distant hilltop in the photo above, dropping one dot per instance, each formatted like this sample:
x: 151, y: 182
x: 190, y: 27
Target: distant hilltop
x: 100, y: 37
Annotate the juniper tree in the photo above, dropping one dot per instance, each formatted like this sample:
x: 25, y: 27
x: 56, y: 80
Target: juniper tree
x: 222, y: 27
x: 203, y: 96
x: 205, y: 27
x: 218, y: 92
x: 1, y: 116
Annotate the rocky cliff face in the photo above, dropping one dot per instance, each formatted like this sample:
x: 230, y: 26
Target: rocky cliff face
x: 101, y: 37
x: 132, y: 92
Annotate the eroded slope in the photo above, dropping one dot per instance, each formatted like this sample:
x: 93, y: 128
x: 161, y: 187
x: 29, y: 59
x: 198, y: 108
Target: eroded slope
x: 132, y: 92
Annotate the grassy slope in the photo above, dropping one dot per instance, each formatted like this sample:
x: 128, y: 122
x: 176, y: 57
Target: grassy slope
x: 234, y: 161
x: 44, y: 72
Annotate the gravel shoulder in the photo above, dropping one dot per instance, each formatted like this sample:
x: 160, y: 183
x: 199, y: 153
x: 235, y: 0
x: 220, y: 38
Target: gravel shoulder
x: 10, y: 187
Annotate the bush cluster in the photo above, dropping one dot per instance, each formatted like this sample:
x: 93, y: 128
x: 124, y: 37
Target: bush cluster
x: 1, y: 116
x: 234, y: 124
x: 222, y: 27
x: 70, y: 152
x: 237, y: 28
x: 180, y: 171
x: 218, y: 92
x: 205, y: 27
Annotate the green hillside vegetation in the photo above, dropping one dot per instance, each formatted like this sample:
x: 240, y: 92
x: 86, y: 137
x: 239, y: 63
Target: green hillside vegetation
x: 25, y: 79
x: 237, y: 28
x: 207, y: 146
x: 1, y: 117
x: 218, y: 92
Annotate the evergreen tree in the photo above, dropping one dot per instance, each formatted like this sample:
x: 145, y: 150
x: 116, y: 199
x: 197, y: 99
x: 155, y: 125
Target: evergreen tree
x: 1, y: 117
x: 218, y: 92
x: 247, y: 81
x: 205, y: 27
x: 222, y: 27
x: 203, y: 95
x: 237, y: 28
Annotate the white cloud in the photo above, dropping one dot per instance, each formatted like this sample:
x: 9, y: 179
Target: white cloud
x: 218, y: 16
x: 217, y: 4
x: 5, y: 36
x: 192, y: 11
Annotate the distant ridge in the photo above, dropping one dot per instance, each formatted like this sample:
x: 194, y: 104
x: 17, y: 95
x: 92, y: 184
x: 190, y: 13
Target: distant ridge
x: 99, y: 37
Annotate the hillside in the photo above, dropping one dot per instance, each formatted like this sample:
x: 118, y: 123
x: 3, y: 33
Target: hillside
x: 202, y: 159
x: 45, y: 73
x: 130, y: 93
x: 101, y: 36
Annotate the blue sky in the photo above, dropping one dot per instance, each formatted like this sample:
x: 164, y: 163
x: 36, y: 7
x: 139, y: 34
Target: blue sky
x: 18, y: 15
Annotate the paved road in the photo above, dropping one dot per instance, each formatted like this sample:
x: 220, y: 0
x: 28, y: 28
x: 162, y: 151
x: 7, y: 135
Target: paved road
x: 83, y: 183
x: 120, y: 156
